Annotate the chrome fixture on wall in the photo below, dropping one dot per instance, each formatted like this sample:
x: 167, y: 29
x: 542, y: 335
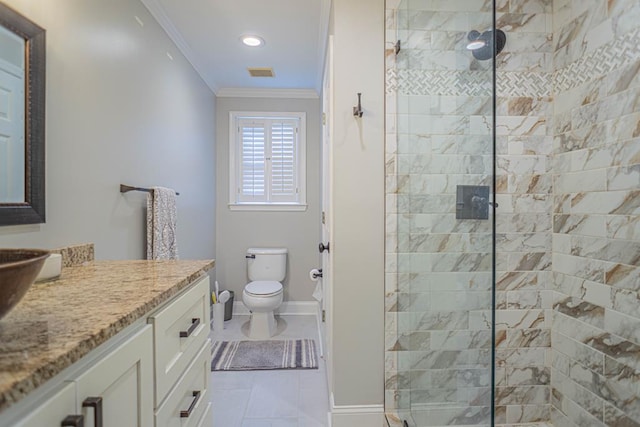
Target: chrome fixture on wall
x: 357, y: 111
x: 481, y: 44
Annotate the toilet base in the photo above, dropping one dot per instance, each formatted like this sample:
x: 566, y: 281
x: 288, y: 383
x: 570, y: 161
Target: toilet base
x: 262, y: 325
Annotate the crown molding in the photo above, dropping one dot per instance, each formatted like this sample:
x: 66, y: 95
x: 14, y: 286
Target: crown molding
x: 241, y: 92
x: 159, y: 14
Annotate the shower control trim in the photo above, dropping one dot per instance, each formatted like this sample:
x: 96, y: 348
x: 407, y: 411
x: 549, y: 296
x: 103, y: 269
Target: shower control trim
x: 472, y: 202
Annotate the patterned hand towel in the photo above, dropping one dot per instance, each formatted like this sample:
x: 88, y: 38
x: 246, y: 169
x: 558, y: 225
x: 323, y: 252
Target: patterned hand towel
x: 162, y: 216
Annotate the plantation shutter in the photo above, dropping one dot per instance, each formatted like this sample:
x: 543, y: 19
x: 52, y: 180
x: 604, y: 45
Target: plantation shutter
x: 268, y: 160
x: 252, y: 171
x: 283, y: 161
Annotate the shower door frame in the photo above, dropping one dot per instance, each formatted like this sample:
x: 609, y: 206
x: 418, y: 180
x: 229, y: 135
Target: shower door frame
x: 493, y: 206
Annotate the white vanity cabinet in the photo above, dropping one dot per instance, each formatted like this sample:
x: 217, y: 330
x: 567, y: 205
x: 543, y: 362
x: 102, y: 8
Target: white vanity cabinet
x: 189, y: 403
x: 182, y: 352
x: 116, y: 391
x: 180, y: 330
x: 53, y: 411
x: 153, y: 373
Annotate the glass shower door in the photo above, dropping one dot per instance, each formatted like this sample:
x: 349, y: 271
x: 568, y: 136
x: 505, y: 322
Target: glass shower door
x: 440, y: 179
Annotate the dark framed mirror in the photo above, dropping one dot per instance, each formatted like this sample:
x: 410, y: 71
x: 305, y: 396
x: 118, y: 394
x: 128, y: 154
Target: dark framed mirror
x: 22, y: 119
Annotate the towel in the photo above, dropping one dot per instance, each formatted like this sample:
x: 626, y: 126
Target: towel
x: 317, y: 292
x: 161, y: 224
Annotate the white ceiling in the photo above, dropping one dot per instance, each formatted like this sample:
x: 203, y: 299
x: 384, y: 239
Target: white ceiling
x: 208, y: 34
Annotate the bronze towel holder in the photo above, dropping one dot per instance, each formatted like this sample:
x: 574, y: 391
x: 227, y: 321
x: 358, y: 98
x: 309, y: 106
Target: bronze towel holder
x: 127, y: 188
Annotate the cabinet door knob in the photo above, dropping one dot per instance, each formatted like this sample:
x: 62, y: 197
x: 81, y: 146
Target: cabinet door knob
x: 73, y: 421
x: 194, y: 324
x: 96, y: 404
x: 322, y: 247
x: 194, y: 402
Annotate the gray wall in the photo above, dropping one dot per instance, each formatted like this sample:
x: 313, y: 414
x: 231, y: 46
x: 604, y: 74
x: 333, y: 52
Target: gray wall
x: 357, y: 204
x: 119, y: 110
x: 239, y: 230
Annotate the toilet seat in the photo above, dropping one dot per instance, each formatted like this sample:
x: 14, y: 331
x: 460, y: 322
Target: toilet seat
x: 263, y: 288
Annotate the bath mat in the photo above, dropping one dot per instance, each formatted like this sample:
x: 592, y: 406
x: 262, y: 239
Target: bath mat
x: 257, y: 355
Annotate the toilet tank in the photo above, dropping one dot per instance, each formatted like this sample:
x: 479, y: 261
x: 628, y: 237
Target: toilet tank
x: 268, y: 264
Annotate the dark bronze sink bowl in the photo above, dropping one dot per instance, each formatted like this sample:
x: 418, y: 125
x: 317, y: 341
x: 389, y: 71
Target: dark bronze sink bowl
x: 18, y: 270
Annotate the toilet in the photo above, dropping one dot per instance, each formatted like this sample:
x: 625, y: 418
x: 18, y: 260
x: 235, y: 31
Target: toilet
x: 266, y: 268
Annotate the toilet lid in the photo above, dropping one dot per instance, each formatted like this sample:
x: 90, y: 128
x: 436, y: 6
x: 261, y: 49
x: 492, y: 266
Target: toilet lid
x: 263, y: 287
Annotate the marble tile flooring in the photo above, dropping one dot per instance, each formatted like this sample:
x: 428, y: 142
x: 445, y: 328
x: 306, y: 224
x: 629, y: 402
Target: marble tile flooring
x: 276, y: 398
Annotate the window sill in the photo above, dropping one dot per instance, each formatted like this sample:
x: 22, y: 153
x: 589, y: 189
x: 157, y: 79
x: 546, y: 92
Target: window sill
x: 267, y: 207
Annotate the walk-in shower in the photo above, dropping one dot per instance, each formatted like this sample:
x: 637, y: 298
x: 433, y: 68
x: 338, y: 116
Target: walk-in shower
x: 513, y: 214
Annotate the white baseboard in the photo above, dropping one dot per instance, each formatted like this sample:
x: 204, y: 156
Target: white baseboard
x: 356, y: 415
x: 287, y: 308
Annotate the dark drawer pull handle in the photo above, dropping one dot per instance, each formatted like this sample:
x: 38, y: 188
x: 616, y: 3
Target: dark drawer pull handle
x: 73, y: 421
x: 96, y: 404
x: 196, y: 397
x: 194, y: 324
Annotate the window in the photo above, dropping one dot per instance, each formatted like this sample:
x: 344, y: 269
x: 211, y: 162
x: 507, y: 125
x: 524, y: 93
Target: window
x: 267, y: 161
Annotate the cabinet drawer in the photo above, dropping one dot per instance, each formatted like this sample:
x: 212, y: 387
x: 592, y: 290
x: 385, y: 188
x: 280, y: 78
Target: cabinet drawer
x: 179, y: 330
x: 191, y: 392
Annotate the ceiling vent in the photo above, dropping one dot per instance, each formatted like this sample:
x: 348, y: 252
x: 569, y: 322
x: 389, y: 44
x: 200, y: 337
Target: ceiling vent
x: 261, y: 72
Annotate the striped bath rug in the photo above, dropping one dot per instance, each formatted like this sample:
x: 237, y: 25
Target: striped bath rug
x: 255, y: 355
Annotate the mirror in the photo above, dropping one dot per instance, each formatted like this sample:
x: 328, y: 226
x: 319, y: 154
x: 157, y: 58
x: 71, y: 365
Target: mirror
x: 22, y: 107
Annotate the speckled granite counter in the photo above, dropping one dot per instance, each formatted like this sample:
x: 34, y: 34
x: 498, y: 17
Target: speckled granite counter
x: 59, y: 322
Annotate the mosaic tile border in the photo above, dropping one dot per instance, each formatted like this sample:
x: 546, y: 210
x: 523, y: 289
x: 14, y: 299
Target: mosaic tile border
x: 621, y: 52
x: 467, y: 83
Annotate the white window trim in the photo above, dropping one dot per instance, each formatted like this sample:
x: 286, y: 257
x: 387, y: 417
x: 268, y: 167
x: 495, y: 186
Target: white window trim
x: 234, y: 205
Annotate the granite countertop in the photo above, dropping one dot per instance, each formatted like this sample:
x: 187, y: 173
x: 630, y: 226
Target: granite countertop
x: 59, y: 322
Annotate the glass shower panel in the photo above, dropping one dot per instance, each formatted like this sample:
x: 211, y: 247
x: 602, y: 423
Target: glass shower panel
x: 440, y: 176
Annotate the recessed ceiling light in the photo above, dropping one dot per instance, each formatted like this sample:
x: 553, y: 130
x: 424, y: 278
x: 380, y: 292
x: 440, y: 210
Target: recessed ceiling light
x: 252, y: 41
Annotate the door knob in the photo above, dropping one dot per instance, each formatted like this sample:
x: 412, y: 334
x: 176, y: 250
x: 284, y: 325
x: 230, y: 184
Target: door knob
x: 322, y: 247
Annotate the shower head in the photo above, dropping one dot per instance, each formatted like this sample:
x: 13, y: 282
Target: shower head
x: 481, y: 44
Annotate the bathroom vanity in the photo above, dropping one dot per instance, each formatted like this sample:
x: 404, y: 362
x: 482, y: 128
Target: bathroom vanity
x: 111, y: 344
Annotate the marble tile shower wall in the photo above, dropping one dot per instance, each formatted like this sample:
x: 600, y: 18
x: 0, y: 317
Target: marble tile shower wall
x: 439, y: 268
x: 594, y: 158
x: 596, y: 241
x: 524, y: 138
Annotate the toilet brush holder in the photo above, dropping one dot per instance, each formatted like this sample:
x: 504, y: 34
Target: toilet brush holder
x: 218, y: 317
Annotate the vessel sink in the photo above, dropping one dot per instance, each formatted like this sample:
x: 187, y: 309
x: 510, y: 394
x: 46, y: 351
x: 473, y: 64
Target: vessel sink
x: 18, y: 270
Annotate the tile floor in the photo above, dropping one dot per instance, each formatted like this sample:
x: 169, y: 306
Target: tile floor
x: 276, y: 398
